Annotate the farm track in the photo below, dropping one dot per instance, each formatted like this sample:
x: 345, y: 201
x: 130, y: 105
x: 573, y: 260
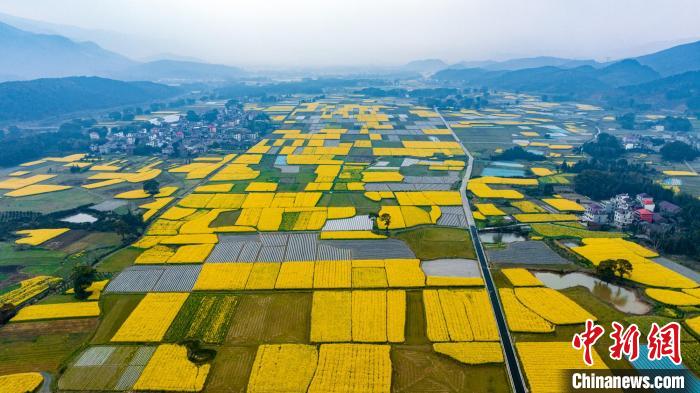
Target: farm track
x: 514, y: 372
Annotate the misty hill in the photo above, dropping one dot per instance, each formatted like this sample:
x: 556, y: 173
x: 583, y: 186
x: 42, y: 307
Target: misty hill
x: 675, y: 60
x: 28, y: 55
x: 682, y: 89
x: 425, y: 65
x: 550, y: 79
x: 174, y: 70
x: 41, y: 98
x: 527, y: 62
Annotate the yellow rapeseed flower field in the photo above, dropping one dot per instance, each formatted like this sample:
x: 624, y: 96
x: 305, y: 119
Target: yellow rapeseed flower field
x: 331, y: 316
x: 369, y: 277
x: 472, y: 352
x: 20, y: 383
x: 28, y: 289
x: 546, y: 364
x: 352, y: 368
x: 332, y: 274
x: 521, y: 318
x: 35, y: 237
x: 17, y: 183
x: 564, y: 205
x: 193, y: 253
x: 674, y: 298
x: 541, y: 171
x: 36, y: 189
x: 520, y: 277
x: 527, y: 207
x: 283, y: 368
x: 223, y: 276
x: 694, y: 324
x: 295, y: 275
x: 404, y: 273
x: 58, y: 311
x: 489, y: 209
x: 369, y: 316
x: 553, y: 306
x: 151, y: 318
x: 169, y: 369
x: 155, y: 254
x: 459, y: 315
x: 263, y: 275
x: 544, y: 217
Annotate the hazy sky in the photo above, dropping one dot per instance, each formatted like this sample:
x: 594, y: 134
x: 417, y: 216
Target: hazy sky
x: 378, y: 32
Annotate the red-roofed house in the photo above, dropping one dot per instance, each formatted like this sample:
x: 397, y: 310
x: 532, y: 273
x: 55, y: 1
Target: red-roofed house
x: 644, y: 215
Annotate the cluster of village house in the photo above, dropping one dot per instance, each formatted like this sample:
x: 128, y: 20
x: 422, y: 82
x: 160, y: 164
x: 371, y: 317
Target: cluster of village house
x: 623, y: 210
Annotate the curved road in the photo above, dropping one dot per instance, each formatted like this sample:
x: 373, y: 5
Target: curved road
x: 512, y: 364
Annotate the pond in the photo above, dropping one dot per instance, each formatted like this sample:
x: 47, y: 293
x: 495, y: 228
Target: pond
x: 80, y: 218
x: 619, y: 297
x: 502, y: 172
x: 501, y: 237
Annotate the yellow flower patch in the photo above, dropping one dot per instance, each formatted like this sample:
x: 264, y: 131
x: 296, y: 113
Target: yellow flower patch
x: 547, y: 364
x: 331, y: 316
x: 283, y: 368
x: 542, y: 171
x: 674, y: 298
x: 341, y: 212
x: 58, y: 311
x: 151, y: 318
x: 694, y: 324
x: 459, y: 315
x: 332, y: 274
x: 177, y: 213
x: 564, y: 205
x: 328, y: 235
x: 214, y: 188
x: 35, y: 237
x: 295, y: 275
x: 521, y: 318
x: 17, y: 183
x: 528, y: 207
x: 489, y: 209
x: 261, y: 186
x: 544, y: 217
x: 36, y: 189
x: 194, y: 253
x: 21, y: 382
x: 155, y: 254
x: 520, y: 277
x: 28, y: 289
x: 170, y: 369
x: 553, y: 306
x: 223, y: 276
x: 381, y: 176
x: 352, y: 368
x: 263, y: 275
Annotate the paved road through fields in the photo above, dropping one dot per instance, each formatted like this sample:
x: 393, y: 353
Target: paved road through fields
x: 513, y: 365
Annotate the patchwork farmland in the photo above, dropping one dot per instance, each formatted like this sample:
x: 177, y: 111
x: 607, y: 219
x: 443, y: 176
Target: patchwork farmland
x: 336, y: 255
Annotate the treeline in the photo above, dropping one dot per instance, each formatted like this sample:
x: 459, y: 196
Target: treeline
x: 442, y: 97
x: 305, y: 86
x: 19, y: 146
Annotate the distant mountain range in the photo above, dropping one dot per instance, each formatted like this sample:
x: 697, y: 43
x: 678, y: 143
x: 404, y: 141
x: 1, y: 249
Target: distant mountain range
x: 668, y: 78
x: 42, y: 98
x: 27, y: 55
